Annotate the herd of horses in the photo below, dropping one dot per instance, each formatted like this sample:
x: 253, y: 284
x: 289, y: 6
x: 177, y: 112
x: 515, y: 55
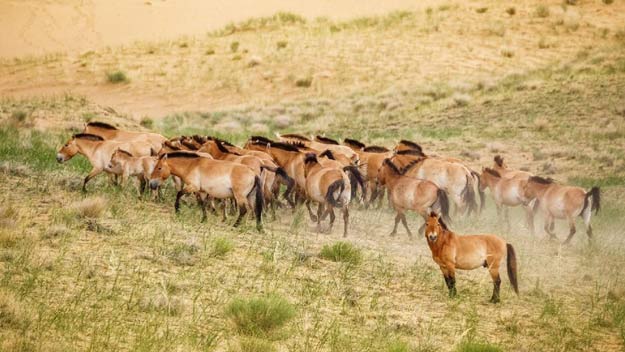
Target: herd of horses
x: 265, y: 173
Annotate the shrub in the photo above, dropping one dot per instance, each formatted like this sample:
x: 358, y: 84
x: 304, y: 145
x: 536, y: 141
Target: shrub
x: 461, y: 99
x: 341, y: 252
x: 542, y: 11
x: 259, y: 316
x: 90, y: 208
x: 210, y: 51
x: 511, y: 11
x: 117, y: 77
x: 19, y: 116
x: 282, y: 44
x: 472, y: 346
x: 608, y: 2
x: 481, y: 9
x: 147, y: 122
x: 304, y: 82
x: 234, y: 47
x: 507, y: 52
x: 220, y: 247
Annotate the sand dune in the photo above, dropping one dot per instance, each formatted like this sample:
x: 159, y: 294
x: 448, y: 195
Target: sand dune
x: 32, y: 27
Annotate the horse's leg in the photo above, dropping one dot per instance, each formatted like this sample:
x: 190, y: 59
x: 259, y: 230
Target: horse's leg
x: 405, y: 223
x: 313, y: 217
x: 381, y: 193
x: 494, y: 274
x: 572, y: 229
x: 549, y: 223
x: 506, y: 212
x: 332, y: 217
x: 345, y: 220
x: 586, y: 218
x: 397, y: 219
x: 320, y: 210
x: 450, y: 280
x: 94, y: 172
x: 242, y: 212
x: 529, y: 218
x: 203, y: 202
x: 177, y: 202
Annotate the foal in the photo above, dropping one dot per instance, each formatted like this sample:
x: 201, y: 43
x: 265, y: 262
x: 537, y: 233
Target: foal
x: 129, y: 165
x: 563, y: 202
x: 409, y: 193
x: 469, y: 252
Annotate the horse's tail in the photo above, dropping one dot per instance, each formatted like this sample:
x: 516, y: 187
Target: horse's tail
x: 479, y: 189
x: 512, y: 269
x: 595, y: 194
x: 287, y: 180
x: 443, y: 202
x: 257, y: 191
x: 356, y: 179
x: 468, y: 196
x: 338, y: 185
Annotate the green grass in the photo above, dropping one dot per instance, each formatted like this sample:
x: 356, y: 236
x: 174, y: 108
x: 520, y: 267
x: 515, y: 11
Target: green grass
x: 343, y: 252
x: 116, y: 77
x: 259, y: 316
x: 471, y: 346
x: 221, y: 246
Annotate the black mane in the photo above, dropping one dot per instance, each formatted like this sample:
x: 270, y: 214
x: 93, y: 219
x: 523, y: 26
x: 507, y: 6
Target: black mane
x: 393, y: 167
x: 411, y: 144
x: 410, y: 152
x: 409, y: 166
x: 326, y: 140
x: 261, y: 140
x: 376, y: 149
x: 356, y: 143
x: 492, y: 172
x: 88, y: 136
x: 310, y: 158
x: 181, y: 154
x: 328, y: 154
x: 188, y: 144
x: 285, y: 146
x: 101, y: 125
x: 498, y: 160
x: 295, y: 136
x: 541, y: 180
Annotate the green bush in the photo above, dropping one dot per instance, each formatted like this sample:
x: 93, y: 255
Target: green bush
x: 304, y: 82
x: 259, y: 316
x: 221, y: 246
x: 342, y: 252
x: 117, y: 77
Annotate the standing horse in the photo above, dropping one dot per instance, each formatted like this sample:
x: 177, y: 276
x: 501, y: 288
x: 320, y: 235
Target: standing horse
x: 507, y: 192
x: 322, y: 144
x: 330, y: 188
x: 502, y: 168
x: 111, y: 132
x: 371, y: 159
x: 562, y: 202
x: 469, y: 252
x: 215, y: 178
x: 129, y: 165
x: 98, y: 151
x: 409, y: 193
x: 453, y: 178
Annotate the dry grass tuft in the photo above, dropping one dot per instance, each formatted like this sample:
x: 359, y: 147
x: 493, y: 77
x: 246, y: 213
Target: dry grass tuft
x: 254, y: 344
x: 461, y: 99
x: 12, y: 314
x: 259, y: 316
x: 511, y: 11
x: 90, y: 208
x: 8, y: 216
x: 571, y: 20
x: 341, y: 252
x: 304, y: 82
x: 116, y: 77
x: 542, y: 11
x: 220, y: 247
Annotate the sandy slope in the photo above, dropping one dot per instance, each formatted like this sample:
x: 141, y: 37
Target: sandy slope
x: 33, y: 27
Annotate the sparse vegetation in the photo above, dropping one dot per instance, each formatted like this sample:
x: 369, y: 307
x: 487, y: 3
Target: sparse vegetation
x: 259, y: 316
x: 117, y: 77
x: 342, y: 252
x: 542, y: 11
x: 90, y: 208
x: 304, y: 82
x: 221, y: 246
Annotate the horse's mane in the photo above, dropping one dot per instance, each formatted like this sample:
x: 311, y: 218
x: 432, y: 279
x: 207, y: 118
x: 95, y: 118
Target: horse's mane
x: 88, y: 136
x: 410, y: 152
x: 393, y: 167
x: 440, y: 220
x: 411, y: 144
x: 188, y: 144
x: 180, y: 154
x: 101, y: 125
x: 328, y: 154
x: 285, y: 146
x: 326, y: 140
x: 310, y: 158
x: 261, y: 140
x: 356, y: 143
x: 171, y: 146
x: 492, y: 172
x: 541, y: 180
x: 498, y: 160
x: 409, y: 166
x: 375, y: 149
x: 295, y: 136
x: 223, y: 141
x: 199, y: 139
x: 124, y: 152
x: 223, y: 149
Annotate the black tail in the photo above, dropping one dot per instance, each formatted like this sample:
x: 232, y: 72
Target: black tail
x: 468, y: 196
x: 258, y: 201
x: 512, y: 269
x: 356, y: 179
x: 479, y: 190
x: 443, y: 202
x: 338, y: 185
x: 595, y: 193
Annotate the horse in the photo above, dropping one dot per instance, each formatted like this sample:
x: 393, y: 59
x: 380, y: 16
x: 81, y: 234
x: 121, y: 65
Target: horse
x: 111, y: 132
x: 216, y: 178
x: 469, y: 252
x: 507, y: 192
x: 330, y: 188
x: 454, y: 178
x: 372, y: 159
x: 408, y: 193
x: 322, y: 144
x: 139, y: 166
x: 98, y: 151
x: 562, y: 202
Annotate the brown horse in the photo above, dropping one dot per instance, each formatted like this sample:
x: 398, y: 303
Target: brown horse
x: 371, y: 159
x: 502, y: 168
x: 111, y: 132
x: 215, y: 178
x: 323, y: 144
x: 562, y: 202
x: 469, y: 252
x: 330, y: 188
x: 98, y: 151
x: 129, y: 165
x: 408, y: 193
x: 454, y: 178
x: 507, y: 192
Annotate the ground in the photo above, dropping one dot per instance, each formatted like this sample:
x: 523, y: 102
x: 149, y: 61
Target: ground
x: 542, y: 85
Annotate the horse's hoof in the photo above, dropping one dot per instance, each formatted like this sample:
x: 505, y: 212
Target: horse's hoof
x: 494, y: 300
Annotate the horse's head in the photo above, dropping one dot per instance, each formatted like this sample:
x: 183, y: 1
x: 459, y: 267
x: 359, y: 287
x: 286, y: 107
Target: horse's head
x: 161, y: 172
x: 488, y: 177
x: 67, y: 151
x: 535, y: 186
x: 118, y: 158
x: 434, y: 227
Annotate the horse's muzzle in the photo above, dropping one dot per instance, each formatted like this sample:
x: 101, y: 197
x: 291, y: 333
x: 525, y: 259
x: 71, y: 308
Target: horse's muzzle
x: 154, y: 184
x: 432, y: 238
x: 60, y: 158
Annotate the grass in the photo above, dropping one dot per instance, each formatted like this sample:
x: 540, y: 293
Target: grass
x: 343, y: 252
x: 221, y: 246
x: 90, y: 208
x: 259, y: 316
x: 117, y: 77
x: 469, y: 346
x: 542, y: 11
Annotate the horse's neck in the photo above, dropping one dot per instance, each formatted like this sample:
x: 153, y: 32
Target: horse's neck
x: 312, y: 168
x: 87, y: 148
x: 282, y: 157
x: 181, y: 167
